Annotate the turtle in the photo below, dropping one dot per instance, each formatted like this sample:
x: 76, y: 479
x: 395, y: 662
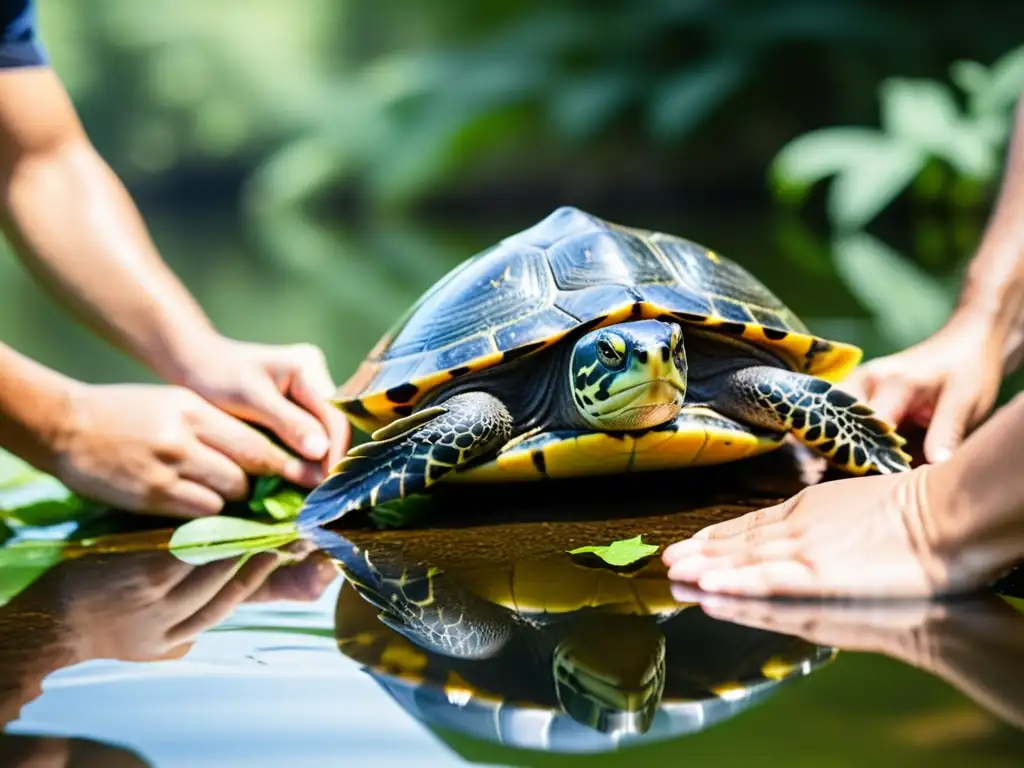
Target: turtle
x: 545, y: 652
x: 582, y: 347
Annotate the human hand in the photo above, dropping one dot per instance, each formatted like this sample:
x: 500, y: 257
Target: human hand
x: 150, y: 606
x: 864, y: 536
x: 948, y: 383
x: 164, y: 450
x: 283, y: 388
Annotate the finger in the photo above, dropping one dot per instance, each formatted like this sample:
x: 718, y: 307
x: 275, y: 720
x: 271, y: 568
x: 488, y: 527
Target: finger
x: 771, y: 579
x: 735, y: 553
x: 891, y: 400
x: 216, y: 471
x: 861, y: 383
x: 302, y: 582
x: 312, y: 389
x: 738, y: 525
x: 298, y: 428
x: 953, y: 411
x: 251, y: 451
x: 187, y: 499
x: 218, y: 606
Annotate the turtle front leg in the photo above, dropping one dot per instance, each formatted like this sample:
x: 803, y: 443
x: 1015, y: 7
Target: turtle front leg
x: 409, y: 455
x: 826, y: 419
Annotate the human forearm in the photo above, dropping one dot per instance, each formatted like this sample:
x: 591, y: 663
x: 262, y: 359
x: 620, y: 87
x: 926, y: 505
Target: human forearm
x: 993, y: 290
x: 99, y: 260
x: 978, y: 496
x: 33, y: 403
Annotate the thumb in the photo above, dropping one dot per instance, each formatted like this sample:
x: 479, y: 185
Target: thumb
x: 299, y: 429
x: 953, y: 411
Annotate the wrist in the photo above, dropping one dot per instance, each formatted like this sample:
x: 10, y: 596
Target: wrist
x: 974, y: 502
x: 992, y: 301
x: 35, y: 409
x: 187, y: 353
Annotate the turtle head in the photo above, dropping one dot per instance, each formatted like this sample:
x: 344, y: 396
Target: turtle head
x: 610, y: 674
x: 629, y: 376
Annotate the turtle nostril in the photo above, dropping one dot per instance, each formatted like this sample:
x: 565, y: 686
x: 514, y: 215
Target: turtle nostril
x: 665, y: 354
x: 641, y: 355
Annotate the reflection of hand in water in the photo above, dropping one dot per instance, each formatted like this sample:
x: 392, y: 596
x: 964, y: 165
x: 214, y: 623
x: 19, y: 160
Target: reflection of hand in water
x: 977, y: 646
x: 134, y: 607
x: 53, y: 752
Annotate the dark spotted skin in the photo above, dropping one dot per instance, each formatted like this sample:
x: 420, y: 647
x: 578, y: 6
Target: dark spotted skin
x: 439, y: 439
x: 824, y: 418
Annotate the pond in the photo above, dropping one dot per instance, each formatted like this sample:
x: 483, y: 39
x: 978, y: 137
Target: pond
x: 474, y: 639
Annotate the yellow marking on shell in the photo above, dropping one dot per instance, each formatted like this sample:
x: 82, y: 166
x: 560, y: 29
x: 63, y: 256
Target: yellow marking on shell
x: 457, y: 690
x: 778, y: 669
x: 729, y: 691
x: 560, y: 585
x: 598, y: 453
x: 403, y: 658
x: 713, y: 257
x: 832, y: 365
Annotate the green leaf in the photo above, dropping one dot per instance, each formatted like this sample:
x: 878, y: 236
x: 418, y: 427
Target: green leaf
x: 1006, y: 80
x: 619, y: 553
x: 207, y: 539
x: 284, y: 505
x: 970, y: 76
x: 812, y: 157
x: 908, y: 304
x: 263, y: 487
x: 861, y: 191
x: 22, y: 563
x: 921, y: 112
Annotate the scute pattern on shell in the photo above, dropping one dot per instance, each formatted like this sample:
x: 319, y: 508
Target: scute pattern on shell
x: 569, y: 272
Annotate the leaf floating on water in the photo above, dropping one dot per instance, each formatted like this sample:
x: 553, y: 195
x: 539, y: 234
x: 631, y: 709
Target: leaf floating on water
x: 619, y: 553
x: 207, y: 539
x: 24, y: 562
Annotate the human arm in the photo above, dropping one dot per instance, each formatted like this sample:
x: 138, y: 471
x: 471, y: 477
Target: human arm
x: 941, y: 528
x: 950, y: 381
x: 77, y: 230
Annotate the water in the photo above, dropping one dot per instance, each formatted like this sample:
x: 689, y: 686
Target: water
x: 134, y: 658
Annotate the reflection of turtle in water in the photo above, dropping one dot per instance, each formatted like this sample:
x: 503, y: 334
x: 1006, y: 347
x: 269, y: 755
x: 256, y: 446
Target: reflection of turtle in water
x: 548, y: 653
x: 579, y: 347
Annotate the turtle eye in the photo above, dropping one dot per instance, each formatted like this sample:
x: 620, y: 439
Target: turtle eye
x: 609, y: 353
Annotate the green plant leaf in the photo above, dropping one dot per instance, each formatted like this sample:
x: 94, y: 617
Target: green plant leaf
x: 970, y: 76
x: 22, y: 563
x: 908, y: 304
x: 1006, y: 81
x: 921, y: 112
x: 861, y: 191
x: 262, y: 488
x: 207, y: 539
x: 619, y: 553
x: 284, y: 505
x: 812, y: 157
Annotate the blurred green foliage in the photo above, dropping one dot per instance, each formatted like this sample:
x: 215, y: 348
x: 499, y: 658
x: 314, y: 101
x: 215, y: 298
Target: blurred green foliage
x: 922, y: 127
x: 399, y: 100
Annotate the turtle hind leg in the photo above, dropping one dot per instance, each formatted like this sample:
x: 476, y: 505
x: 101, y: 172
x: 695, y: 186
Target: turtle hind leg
x: 828, y: 420
x: 410, y: 455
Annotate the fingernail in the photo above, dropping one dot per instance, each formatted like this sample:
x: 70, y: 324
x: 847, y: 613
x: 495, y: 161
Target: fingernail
x: 688, y: 568
x: 315, y: 445
x: 942, y: 454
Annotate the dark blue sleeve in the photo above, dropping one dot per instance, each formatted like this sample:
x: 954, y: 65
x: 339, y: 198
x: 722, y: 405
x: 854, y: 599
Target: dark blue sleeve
x: 19, y: 44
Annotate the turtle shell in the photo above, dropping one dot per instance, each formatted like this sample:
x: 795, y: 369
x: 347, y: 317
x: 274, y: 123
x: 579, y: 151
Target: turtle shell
x: 571, y: 272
